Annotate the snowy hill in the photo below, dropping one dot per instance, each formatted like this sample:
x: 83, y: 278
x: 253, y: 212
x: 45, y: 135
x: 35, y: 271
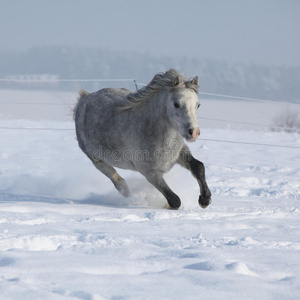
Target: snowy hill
x: 66, y: 233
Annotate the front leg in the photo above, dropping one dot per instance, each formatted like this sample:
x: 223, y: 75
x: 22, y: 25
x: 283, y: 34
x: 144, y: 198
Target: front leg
x: 157, y: 180
x: 196, y: 167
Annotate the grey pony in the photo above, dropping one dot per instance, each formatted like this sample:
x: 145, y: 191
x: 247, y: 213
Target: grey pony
x: 143, y: 131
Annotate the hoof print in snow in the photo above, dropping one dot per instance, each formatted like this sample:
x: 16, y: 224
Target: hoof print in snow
x: 202, y: 266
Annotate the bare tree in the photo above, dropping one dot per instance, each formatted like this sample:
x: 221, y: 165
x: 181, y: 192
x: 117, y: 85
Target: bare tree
x: 288, y: 121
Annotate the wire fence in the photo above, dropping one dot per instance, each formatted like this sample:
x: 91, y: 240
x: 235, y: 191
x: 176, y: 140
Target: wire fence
x: 142, y: 84
x: 67, y: 80
x: 200, y: 139
x: 272, y: 127
x: 250, y: 143
x: 250, y: 99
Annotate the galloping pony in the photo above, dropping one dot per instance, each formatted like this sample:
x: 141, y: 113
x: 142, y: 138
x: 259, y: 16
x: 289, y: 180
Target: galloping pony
x: 143, y: 131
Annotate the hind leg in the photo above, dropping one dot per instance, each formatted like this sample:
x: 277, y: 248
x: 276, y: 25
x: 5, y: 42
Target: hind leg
x: 119, y: 183
x: 156, y: 179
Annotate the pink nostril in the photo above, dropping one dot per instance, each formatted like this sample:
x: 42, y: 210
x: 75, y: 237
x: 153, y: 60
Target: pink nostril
x: 194, y: 132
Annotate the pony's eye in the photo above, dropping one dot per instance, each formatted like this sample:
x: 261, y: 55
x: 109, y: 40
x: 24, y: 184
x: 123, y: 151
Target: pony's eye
x: 198, y: 105
x: 176, y: 105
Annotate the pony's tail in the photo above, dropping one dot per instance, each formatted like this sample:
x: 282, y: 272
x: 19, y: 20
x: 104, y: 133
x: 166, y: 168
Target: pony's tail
x: 81, y: 94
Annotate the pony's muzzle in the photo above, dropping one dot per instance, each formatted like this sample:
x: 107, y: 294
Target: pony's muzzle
x: 194, y: 133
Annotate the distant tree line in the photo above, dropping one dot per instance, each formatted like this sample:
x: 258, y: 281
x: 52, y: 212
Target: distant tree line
x: 246, y: 80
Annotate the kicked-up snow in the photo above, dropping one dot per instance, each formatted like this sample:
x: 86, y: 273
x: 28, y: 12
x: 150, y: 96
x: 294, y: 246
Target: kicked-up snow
x: 66, y: 233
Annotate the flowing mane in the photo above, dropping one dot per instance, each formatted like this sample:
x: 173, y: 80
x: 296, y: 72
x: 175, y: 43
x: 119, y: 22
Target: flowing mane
x: 170, y: 79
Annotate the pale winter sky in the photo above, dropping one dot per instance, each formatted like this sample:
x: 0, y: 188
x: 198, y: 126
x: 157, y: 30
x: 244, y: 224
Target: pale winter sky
x: 259, y: 31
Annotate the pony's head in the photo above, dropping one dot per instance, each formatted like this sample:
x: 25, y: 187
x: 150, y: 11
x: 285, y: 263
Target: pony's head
x: 179, y: 96
x: 182, y: 105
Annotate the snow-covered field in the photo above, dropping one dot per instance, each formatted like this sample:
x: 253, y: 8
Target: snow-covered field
x: 66, y: 233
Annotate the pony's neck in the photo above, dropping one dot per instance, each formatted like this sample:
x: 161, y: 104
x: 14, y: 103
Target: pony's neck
x: 155, y: 108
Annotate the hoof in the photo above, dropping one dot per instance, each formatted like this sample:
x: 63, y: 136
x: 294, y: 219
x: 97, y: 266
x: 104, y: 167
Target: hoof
x: 174, y: 202
x: 204, y: 202
x: 174, y: 207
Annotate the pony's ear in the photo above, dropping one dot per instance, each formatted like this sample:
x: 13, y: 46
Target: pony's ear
x: 176, y: 81
x: 195, y: 81
x: 193, y: 84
